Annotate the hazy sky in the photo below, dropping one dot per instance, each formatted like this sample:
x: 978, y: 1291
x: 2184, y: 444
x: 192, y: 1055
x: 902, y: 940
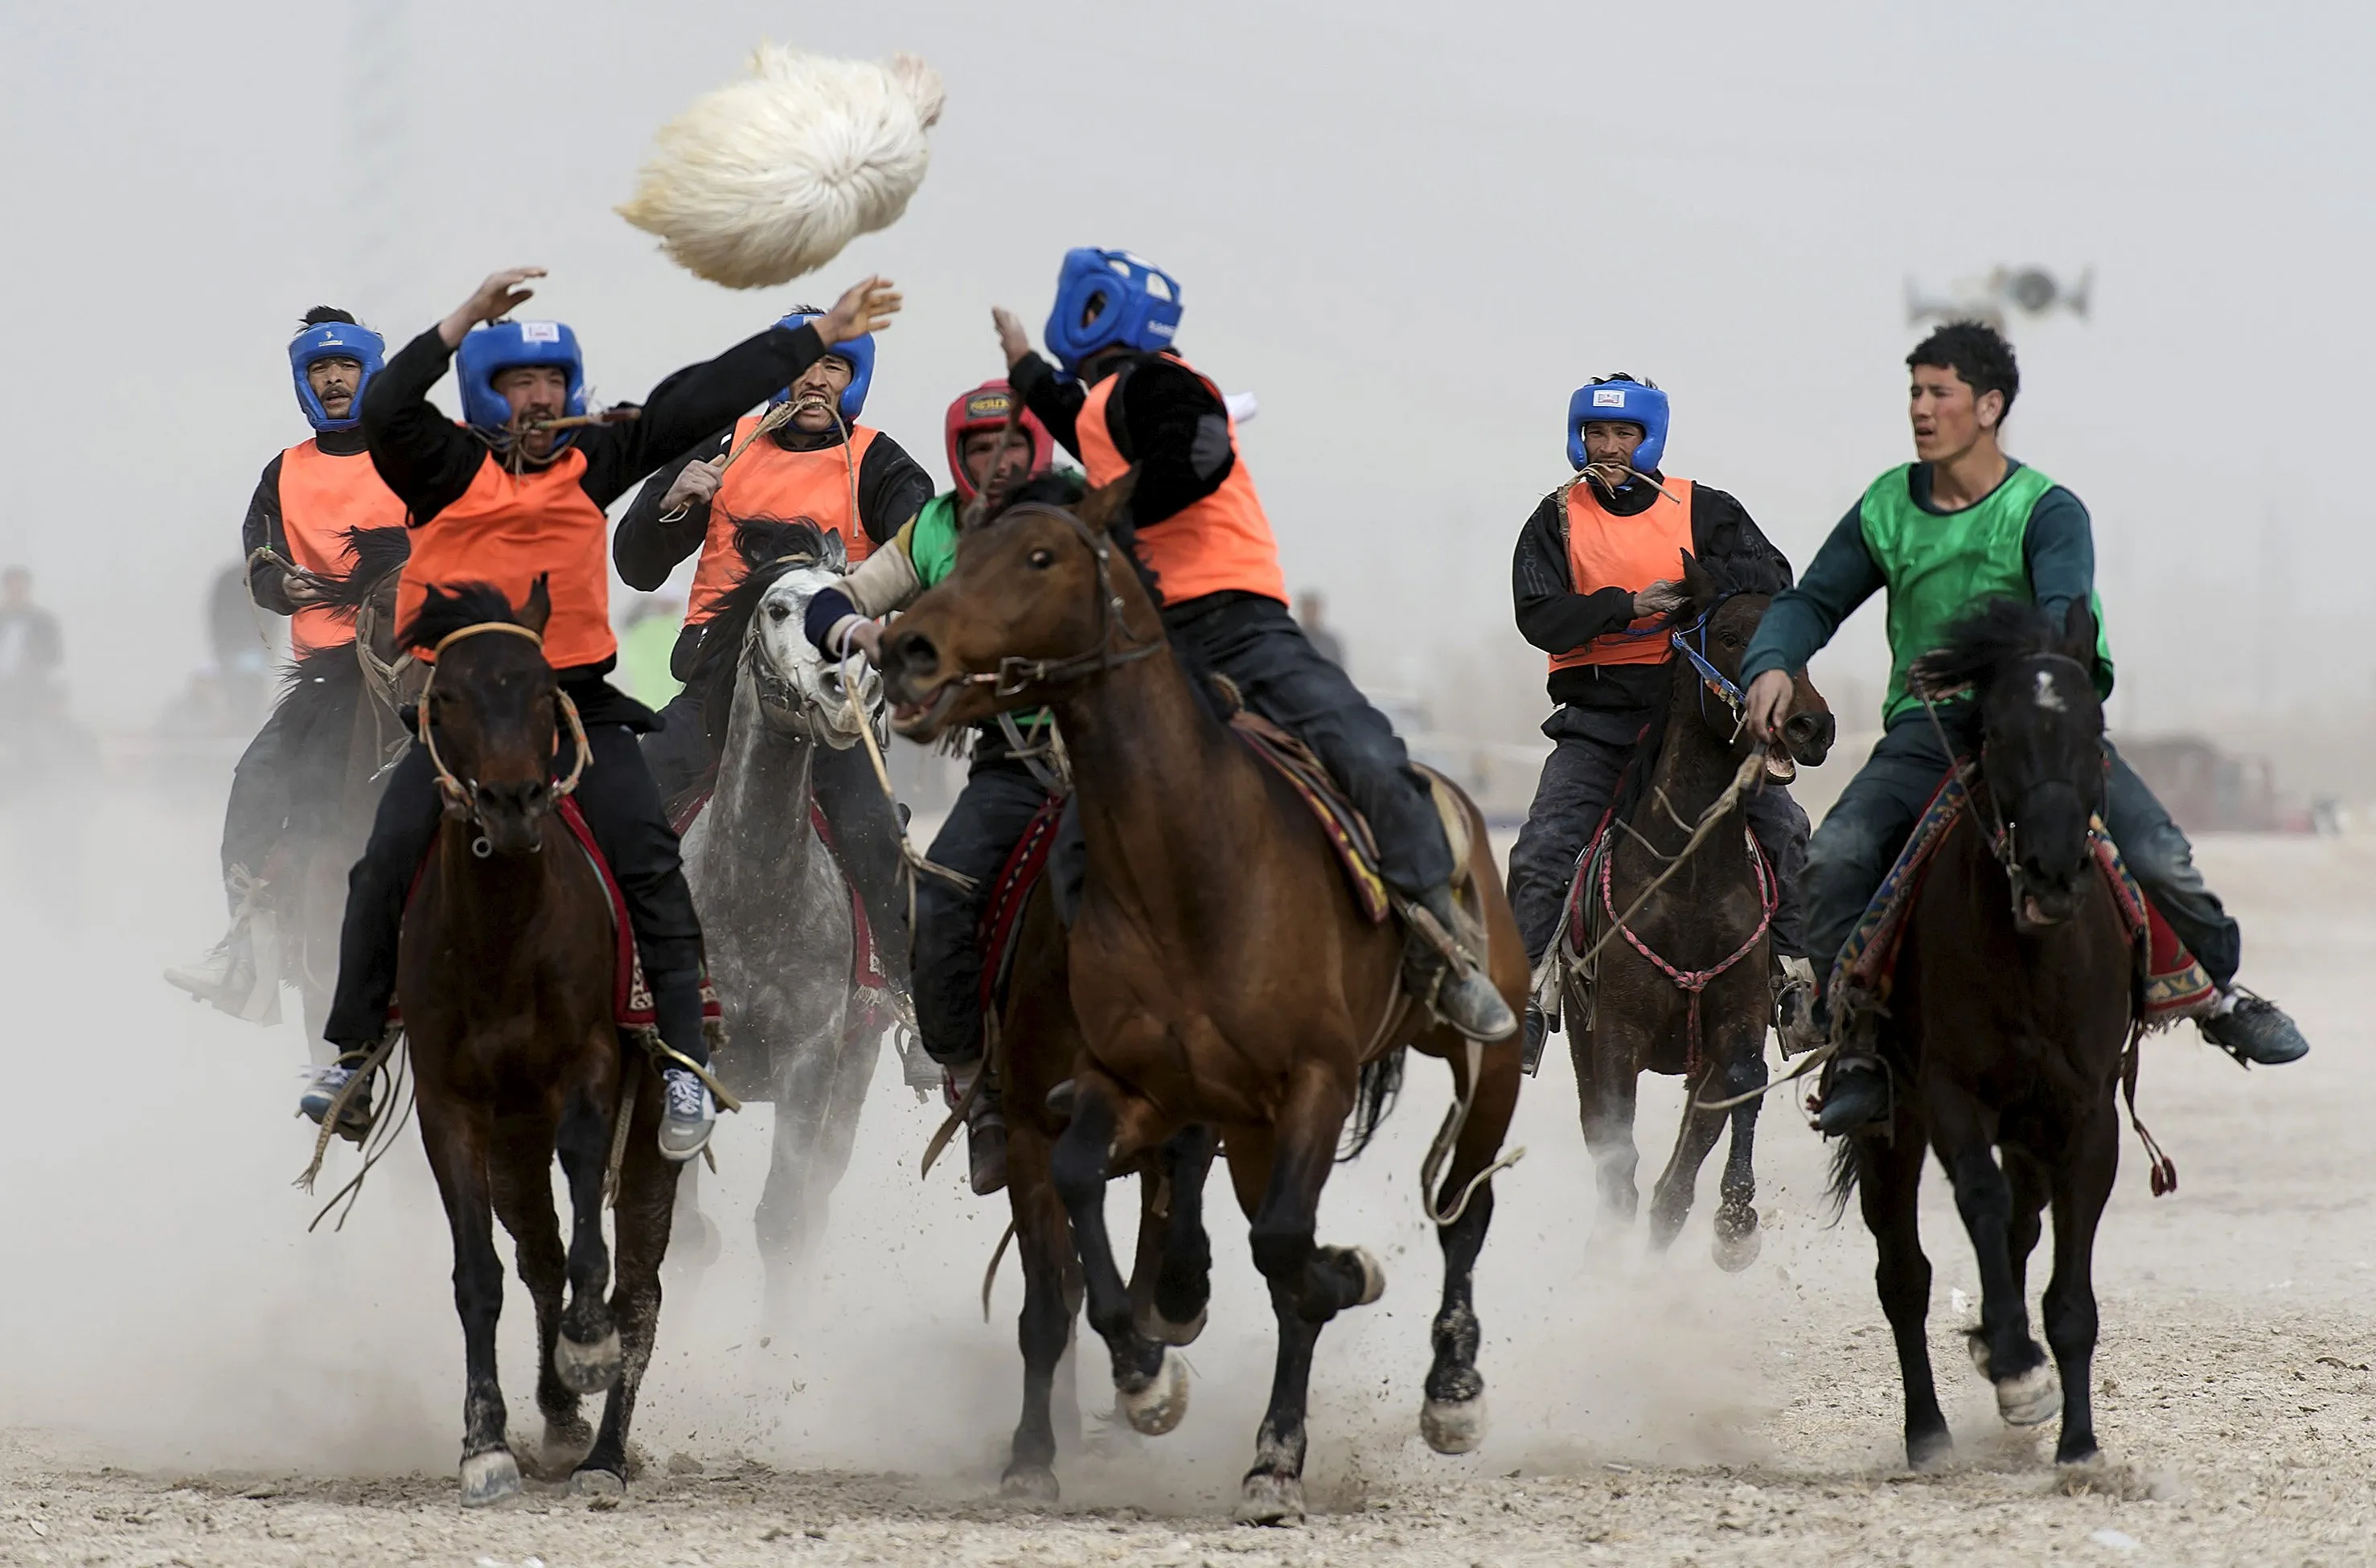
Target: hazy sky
x: 1411, y: 230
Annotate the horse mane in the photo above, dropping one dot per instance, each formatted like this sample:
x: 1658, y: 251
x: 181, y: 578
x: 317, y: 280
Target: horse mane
x: 770, y: 547
x: 1984, y: 642
x: 445, y: 610
x: 373, y: 553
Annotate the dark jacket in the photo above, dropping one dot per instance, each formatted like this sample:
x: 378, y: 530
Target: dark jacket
x: 1554, y: 617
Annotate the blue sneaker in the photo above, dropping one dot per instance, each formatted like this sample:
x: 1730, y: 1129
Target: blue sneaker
x: 690, y: 1117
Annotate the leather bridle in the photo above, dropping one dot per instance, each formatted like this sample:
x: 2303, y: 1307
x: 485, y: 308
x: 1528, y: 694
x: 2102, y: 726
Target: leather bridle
x: 1114, y: 648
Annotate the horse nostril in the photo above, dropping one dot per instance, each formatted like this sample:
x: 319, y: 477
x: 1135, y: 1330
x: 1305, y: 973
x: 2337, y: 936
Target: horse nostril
x: 915, y: 651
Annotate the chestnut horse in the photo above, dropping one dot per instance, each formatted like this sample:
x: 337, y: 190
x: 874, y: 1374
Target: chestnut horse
x: 507, y: 968
x: 1222, y: 975
x: 2008, y: 1018
x: 1710, y: 921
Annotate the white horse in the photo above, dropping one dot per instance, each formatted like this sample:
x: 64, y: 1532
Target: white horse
x: 775, y: 907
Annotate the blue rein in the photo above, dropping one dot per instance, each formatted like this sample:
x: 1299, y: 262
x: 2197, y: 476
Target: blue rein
x: 1711, y: 678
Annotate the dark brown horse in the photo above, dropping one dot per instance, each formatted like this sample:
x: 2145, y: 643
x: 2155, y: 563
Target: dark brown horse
x: 505, y: 971
x: 2004, y: 1031
x: 1221, y: 972
x: 1700, y: 1008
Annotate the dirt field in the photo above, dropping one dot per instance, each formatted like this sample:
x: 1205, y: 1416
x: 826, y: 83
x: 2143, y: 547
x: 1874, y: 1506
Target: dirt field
x: 189, y: 1378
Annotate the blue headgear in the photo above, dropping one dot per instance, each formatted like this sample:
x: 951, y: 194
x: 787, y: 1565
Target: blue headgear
x: 507, y: 345
x: 1613, y: 399
x: 1136, y: 305
x: 334, y: 341
x: 857, y: 350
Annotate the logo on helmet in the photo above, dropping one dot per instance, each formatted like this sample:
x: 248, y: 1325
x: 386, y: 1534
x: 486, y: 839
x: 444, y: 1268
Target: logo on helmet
x: 1608, y: 399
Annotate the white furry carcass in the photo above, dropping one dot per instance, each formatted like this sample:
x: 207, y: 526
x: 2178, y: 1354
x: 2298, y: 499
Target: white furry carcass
x: 769, y: 177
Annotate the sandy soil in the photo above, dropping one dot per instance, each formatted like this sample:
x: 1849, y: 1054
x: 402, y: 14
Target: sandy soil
x: 186, y: 1377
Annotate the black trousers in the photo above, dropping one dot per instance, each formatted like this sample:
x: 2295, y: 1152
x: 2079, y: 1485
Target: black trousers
x: 677, y: 753
x: 622, y: 807
x: 983, y: 826
x: 1578, y: 781
x: 261, y: 795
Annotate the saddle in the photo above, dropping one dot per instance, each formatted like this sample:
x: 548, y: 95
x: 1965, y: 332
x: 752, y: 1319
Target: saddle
x: 2171, y: 984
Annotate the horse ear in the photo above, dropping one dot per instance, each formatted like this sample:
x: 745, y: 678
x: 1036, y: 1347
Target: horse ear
x: 538, y: 610
x: 836, y: 552
x: 1102, y: 506
x: 2079, y: 631
x: 1699, y: 583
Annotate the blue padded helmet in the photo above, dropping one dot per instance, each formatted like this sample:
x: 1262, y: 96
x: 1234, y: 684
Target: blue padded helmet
x: 858, y: 351
x: 1611, y: 399
x: 1108, y: 299
x: 334, y: 341
x: 507, y: 345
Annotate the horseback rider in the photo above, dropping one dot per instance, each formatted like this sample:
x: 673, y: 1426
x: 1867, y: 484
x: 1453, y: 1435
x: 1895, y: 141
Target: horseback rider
x: 311, y: 496
x: 1125, y: 399
x: 807, y: 455
x: 1962, y: 524
x: 1594, y: 580
x: 1010, y: 777
x: 504, y: 499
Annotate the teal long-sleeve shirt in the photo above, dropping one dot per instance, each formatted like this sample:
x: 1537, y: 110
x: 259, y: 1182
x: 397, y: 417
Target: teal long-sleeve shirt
x: 2059, y: 547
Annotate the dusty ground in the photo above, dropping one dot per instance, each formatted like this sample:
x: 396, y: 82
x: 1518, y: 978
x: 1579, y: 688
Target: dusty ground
x: 186, y: 1377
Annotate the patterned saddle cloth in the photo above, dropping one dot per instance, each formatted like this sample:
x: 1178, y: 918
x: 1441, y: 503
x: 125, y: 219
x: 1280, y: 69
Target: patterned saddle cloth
x: 631, y: 998
x: 2172, y: 984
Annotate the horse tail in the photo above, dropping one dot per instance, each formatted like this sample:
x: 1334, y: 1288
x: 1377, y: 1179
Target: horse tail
x: 1846, y: 1169
x: 1380, y: 1084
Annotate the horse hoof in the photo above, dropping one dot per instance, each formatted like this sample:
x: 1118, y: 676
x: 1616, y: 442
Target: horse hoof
x: 1152, y: 1324
x: 1371, y: 1273
x: 1157, y: 1408
x: 1931, y: 1449
x: 695, y: 1243
x: 1269, y: 1499
x: 566, y: 1443
x: 596, y: 1483
x: 1735, y: 1252
x: 586, y: 1369
x: 1451, y: 1428
x: 490, y: 1478
x: 1028, y: 1486
x: 2025, y: 1399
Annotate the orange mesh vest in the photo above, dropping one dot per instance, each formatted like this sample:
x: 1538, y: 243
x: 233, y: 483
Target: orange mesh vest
x: 322, y: 497
x: 1605, y: 551
x: 509, y: 529
x: 1221, y: 543
x: 768, y: 482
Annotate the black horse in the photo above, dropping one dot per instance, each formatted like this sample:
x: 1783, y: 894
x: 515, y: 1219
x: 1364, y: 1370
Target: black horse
x: 2009, y: 1012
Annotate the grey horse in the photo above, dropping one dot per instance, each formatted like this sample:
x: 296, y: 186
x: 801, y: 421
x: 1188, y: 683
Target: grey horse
x: 802, y: 1031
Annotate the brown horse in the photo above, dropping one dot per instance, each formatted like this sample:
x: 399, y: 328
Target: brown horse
x: 1221, y: 971
x: 2007, y: 1020
x: 1704, y: 1014
x: 505, y: 970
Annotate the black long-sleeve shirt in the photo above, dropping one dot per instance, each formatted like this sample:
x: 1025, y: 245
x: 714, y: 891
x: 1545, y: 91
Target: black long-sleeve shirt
x: 1556, y: 618
x: 1162, y: 417
x: 263, y: 526
x: 891, y: 487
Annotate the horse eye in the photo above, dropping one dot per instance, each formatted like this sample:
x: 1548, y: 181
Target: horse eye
x: 1729, y: 639
x: 779, y: 612
x: 1042, y: 559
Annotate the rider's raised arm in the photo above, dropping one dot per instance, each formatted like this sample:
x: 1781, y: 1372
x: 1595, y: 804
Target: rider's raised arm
x: 1841, y: 577
x: 1176, y: 430
x: 262, y: 529
x: 647, y: 545
x: 2060, y: 548
x: 1550, y: 614
x: 1058, y: 403
x: 694, y: 403
x: 424, y: 459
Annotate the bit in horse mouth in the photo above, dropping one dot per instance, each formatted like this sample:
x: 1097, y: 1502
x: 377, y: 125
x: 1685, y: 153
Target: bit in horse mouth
x: 919, y: 721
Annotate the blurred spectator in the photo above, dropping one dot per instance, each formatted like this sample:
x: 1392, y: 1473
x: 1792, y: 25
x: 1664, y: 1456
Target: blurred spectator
x: 1311, y: 613
x: 243, y: 657
x: 30, y: 651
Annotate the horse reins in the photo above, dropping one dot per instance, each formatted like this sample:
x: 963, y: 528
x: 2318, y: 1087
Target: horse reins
x: 464, y: 796
x: 1014, y: 675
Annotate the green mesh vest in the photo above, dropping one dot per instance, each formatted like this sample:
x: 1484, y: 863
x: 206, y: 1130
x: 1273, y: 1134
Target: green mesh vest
x: 932, y: 551
x: 1941, y: 565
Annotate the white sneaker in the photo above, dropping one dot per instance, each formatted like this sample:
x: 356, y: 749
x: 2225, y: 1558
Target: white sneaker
x: 690, y: 1117
x: 209, y: 978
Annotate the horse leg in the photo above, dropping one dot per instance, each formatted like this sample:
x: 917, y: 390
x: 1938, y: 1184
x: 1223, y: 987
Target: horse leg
x: 1308, y: 1283
x: 1172, y: 1279
x: 640, y: 1222
x: 587, y: 1355
x: 1890, y: 1177
x: 1695, y: 1135
x: 1737, y: 1242
x: 807, y: 1078
x: 2032, y: 1185
x: 1606, y: 1077
x: 1150, y: 1380
x: 2084, y: 1186
x: 700, y: 1242
x: 2001, y: 1346
x: 1043, y: 1241
x: 1452, y: 1417
x: 522, y: 1186
x: 457, y: 1138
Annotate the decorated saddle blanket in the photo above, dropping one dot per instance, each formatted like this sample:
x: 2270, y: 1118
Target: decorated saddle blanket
x: 1001, y: 927
x: 865, y: 958
x: 2174, y: 985
x: 631, y: 998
